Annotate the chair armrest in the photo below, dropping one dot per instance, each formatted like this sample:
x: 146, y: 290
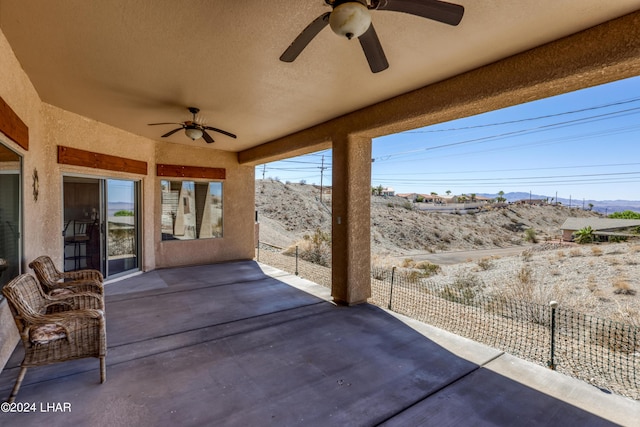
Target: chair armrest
x: 78, y: 301
x: 64, y: 317
x: 83, y: 275
x: 83, y: 285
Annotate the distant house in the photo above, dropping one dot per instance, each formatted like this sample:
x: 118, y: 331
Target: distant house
x: 430, y: 198
x: 483, y: 199
x: 537, y: 202
x: 388, y: 192
x: 601, y: 227
x: 409, y: 196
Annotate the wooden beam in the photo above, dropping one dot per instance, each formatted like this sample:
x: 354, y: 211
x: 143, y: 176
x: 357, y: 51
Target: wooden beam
x: 76, y: 157
x: 177, y: 171
x: 12, y: 126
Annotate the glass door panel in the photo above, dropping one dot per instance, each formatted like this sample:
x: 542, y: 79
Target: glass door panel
x: 122, y: 229
x: 81, y: 223
x: 10, y: 225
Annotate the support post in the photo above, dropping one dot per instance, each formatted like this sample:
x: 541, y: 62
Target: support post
x: 552, y: 364
x: 351, y: 224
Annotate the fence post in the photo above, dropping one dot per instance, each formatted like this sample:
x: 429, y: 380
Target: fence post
x: 393, y: 273
x: 551, y: 363
x: 296, y: 260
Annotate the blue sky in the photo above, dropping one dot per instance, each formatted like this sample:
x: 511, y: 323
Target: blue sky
x: 583, y: 145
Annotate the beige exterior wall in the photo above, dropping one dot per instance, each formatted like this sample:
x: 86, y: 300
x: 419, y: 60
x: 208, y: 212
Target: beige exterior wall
x: 19, y: 93
x: 238, y: 210
x: 50, y: 126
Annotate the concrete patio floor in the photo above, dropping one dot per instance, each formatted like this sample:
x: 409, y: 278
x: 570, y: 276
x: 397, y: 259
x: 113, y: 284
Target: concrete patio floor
x: 243, y: 344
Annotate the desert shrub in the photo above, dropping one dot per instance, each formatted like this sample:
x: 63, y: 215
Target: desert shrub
x: 485, y: 263
x: 526, y: 255
x: 315, y: 248
x: 525, y: 276
x: 622, y: 287
x: 596, y: 251
x: 407, y: 263
x: 615, y: 336
x: 428, y: 269
x: 462, y: 290
x: 530, y: 235
x: 613, y: 261
x: 575, y: 253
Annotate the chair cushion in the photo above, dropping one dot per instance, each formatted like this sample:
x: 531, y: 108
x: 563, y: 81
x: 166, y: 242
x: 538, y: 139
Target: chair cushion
x: 44, y: 334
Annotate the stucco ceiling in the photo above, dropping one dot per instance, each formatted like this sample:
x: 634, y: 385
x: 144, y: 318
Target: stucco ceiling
x: 129, y: 63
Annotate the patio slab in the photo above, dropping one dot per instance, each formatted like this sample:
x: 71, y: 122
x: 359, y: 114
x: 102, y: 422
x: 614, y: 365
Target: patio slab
x: 227, y: 344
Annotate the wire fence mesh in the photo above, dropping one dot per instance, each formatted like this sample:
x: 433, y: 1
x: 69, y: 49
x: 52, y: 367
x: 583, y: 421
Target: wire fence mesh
x: 602, y: 352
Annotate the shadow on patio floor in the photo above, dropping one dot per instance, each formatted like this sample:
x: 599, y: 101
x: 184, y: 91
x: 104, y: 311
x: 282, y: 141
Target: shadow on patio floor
x: 226, y: 344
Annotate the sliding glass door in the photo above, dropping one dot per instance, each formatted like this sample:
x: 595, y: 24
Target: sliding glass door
x: 10, y: 215
x: 100, y: 224
x: 122, y: 226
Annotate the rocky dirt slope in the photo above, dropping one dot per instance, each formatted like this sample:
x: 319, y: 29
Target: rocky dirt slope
x: 288, y: 211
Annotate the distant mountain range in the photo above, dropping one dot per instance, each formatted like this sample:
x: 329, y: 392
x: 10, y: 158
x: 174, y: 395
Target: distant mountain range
x: 602, y: 206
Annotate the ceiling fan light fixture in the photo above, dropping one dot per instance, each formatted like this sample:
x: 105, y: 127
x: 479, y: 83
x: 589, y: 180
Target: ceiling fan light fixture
x: 193, y: 133
x: 350, y: 19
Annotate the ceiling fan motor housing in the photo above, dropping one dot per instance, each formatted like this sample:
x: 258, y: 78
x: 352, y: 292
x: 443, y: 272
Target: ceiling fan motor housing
x: 350, y: 18
x: 193, y: 131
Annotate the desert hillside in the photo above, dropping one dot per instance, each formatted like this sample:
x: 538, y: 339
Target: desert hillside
x: 288, y: 211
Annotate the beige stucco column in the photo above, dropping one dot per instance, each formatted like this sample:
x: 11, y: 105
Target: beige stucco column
x: 351, y: 207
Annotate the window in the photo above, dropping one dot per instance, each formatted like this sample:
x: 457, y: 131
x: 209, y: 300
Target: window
x: 191, y: 210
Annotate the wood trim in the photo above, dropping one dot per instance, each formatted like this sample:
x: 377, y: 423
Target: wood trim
x: 12, y: 126
x: 76, y: 157
x: 177, y: 171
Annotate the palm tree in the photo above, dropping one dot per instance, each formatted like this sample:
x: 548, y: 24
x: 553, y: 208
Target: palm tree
x: 448, y: 192
x: 473, y: 197
x: 500, y: 197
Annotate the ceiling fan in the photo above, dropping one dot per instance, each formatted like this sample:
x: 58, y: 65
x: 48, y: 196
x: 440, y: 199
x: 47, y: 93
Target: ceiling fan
x: 193, y: 129
x: 351, y: 18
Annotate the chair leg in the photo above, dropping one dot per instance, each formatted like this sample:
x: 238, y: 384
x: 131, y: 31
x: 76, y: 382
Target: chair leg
x: 103, y: 370
x: 16, y: 387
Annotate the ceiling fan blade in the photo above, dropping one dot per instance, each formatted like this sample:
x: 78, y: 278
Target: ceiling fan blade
x: 154, y: 124
x: 305, y: 37
x: 447, y: 13
x: 207, y: 137
x: 373, y: 50
x: 171, y: 133
x: 220, y: 131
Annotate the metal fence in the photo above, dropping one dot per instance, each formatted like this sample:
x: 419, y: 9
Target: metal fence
x: 602, y: 352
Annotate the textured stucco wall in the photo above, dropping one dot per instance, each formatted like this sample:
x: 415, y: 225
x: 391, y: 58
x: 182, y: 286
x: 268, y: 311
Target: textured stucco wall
x: 18, y: 92
x: 351, y: 223
x: 72, y: 130
x: 238, y: 209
